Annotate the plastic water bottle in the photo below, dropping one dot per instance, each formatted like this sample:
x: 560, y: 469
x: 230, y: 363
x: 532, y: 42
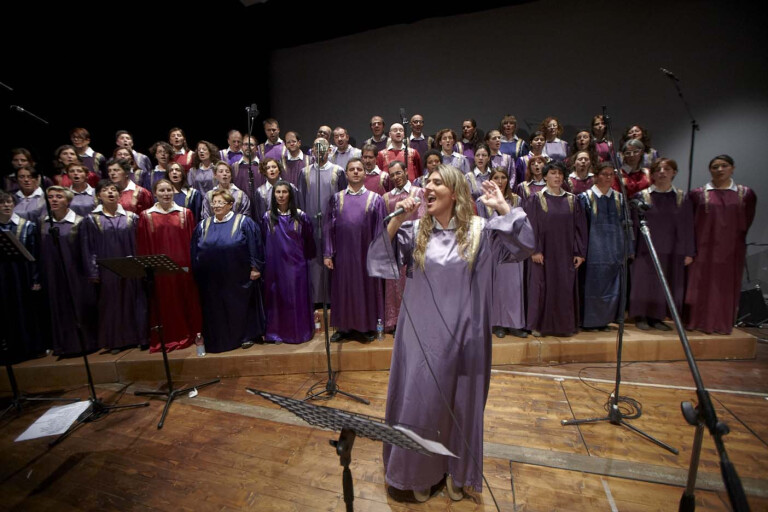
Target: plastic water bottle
x: 200, y: 344
x: 318, y: 320
x: 380, y: 330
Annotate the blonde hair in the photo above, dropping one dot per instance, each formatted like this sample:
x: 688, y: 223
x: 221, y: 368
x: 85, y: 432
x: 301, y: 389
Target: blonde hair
x: 462, y: 212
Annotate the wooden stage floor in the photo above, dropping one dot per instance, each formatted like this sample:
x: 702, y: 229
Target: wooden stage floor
x: 228, y: 450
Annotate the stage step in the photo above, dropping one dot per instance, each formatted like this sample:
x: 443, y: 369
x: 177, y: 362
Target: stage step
x: 268, y: 359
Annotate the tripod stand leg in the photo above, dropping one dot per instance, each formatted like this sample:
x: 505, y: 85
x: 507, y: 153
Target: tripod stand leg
x: 586, y: 420
x: 650, y: 438
x: 13, y: 405
x: 353, y: 397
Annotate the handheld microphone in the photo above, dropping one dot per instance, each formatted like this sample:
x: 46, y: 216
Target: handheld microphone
x: 669, y: 74
x: 321, y: 147
x: 399, y: 211
x: 253, y: 111
x: 639, y: 205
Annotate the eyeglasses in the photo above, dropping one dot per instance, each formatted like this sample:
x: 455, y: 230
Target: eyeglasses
x: 632, y: 153
x: 219, y: 203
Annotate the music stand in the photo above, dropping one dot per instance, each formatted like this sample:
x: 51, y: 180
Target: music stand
x: 351, y: 425
x: 13, y: 251
x: 147, y: 266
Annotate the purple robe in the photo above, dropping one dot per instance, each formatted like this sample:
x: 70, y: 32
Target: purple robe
x: 604, y: 148
x: 292, y: 169
x: 561, y: 233
x: 201, y: 179
x: 83, y: 203
x: 578, y: 185
x: 32, y: 207
x: 378, y: 182
x: 381, y: 145
x: 147, y: 179
x: 142, y: 161
x: 230, y: 156
x: 269, y: 150
x: 73, y: 274
x: 190, y: 199
x: 241, y: 177
x: 18, y: 303
x: 332, y: 180
x: 526, y: 190
x: 515, y: 148
x: 223, y: 254
x: 670, y: 221
x: 421, y: 146
x: 290, y: 246
x: 352, y: 222
x: 241, y: 205
x: 96, y: 163
x: 475, y: 181
x: 341, y: 159
x: 721, y: 221
x: 446, y: 310
x: 456, y: 160
x: 122, y: 302
x: 507, y: 163
x: 557, y: 150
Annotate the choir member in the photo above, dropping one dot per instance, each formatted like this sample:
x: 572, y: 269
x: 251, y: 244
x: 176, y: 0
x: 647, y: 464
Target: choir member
x: 272, y: 171
x: 537, y: 142
x: 163, y: 154
x: 450, y: 255
x: 376, y: 179
x: 417, y: 140
x: 470, y: 137
x: 274, y: 147
x: 294, y: 160
x: 353, y: 219
x: 181, y: 152
x: 555, y: 148
x: 393, y: 288
x: 234, y: 150
x: 581, y: 178
x: 167, y: 228
x: 124, y: 139
x: 184, y: 195
x: 20, y: 158
x: 84, y: 199
x: 534, y: 178
x: 110, y: 232
x: 722, y: 214
x: 395, y: 150
x: 248, y: 163
x: 20, y: 285
x: 30, y: 203
x: 603, y: 146
x: 378, y: 138
x: 201, y: 176
x: 499, y: 159
x: 561, y: 246
x: 227, y: 261
x: 670, y: 220
x: 432, y: 159
x: 446, y: 138
x: 133, y: 198
x: 223, y: 176
x: 343, y: 151
x: 66, y: 155
x: 71, y: 296
x: 135, y: 172
x: 482, y: 171
x: 635, y: 176
x: 94, y: 162
x: 583, y: 141
x: 637, y: 132
x: 317, y: 184
x: 289, y: 245
x: 511, y: 144
x: 604, y: 211
x: 508, y: 290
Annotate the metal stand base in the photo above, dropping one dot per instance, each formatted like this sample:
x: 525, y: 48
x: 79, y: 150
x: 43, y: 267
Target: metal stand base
x: 171, y: 395
x: 332, y: 389
x: 96, y: 411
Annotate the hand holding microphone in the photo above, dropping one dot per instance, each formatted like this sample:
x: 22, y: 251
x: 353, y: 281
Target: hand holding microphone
x: 407, y: 205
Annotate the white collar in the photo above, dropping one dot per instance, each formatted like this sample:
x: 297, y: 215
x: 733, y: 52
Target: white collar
x: 653, y: 188
x: 455, y: 154
x: 100, y: 209
x: 451, y: 225
x: 182, y: 151
x: 15, y: 218
x: 390, y: 145
x: 514, y: 138
x: 157, y: 209
x: 37, y: 193
x: 158, y: 169
x: 326, y: 165
x: 478, y: 173
x: 70, y: 217
x: 300, y: 156
x: 733, y: 186
x: 230, y: 150
x: 383, y: 137
x: 375, y: 170
x: 413, y: 137
x: 360, y: 192
x: 576, y: 176
x: 562, y: 192
x: 232, y: 188
x: 599, y: 194
x: 349, y: 149
x: 406, y: 188
x: 130, y: 186
x: 89, y: 151
x: 554, y: 141
x: 88, y: 190
x: 279, y: 141
x: 540, y: 182
x: 226, y: 218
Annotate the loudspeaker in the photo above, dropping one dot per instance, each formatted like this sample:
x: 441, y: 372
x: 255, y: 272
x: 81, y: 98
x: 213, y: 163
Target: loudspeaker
x: 752, y: 309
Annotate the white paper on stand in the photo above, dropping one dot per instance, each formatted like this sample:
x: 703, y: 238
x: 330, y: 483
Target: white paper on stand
x: 55, y: 421
x: 432, y: 446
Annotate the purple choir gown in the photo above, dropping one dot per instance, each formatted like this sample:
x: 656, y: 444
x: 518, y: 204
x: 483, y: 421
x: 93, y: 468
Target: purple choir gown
x: 446, y: 310
x: 202, y: 179
x: 670, y: 221
x: 84, y: 202
x: 292, y: 169
x: 560, y: 228
x: 223, y: 254
x: 578, y: 185
x: 352, y: 222
x: 122, y: 302
x: 57, y: 279
x: 242, y: 203
x: 32, y: 207
x: 190, y: 199
x: 289, y: 246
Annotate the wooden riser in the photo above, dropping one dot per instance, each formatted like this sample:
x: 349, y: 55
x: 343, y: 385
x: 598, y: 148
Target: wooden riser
x: 268, y: 359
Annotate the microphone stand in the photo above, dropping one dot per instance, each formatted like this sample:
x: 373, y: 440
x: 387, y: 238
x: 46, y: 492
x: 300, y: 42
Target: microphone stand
x: 615, y: 416
x: 405, y: 122
x: 703, y: 415
x: 331, y: 387
x: 694, y: 124
x: 252, y: 113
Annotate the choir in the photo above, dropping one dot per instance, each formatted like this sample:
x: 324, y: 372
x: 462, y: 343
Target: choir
x: 246, y: 221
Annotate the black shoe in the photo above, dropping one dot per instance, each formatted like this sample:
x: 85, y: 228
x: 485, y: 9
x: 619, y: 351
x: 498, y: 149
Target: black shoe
x: 247, y: 344
x: 642, y: 324
x: 604, y: 328
x: 499, y: 332
x: 338, y: 336
x: 369, y: 336
x: 518, y: 333
x: 143, y: 347
x: 658, y: 325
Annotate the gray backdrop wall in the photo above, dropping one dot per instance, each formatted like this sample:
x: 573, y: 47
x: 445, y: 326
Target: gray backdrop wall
x: 553, y: 58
